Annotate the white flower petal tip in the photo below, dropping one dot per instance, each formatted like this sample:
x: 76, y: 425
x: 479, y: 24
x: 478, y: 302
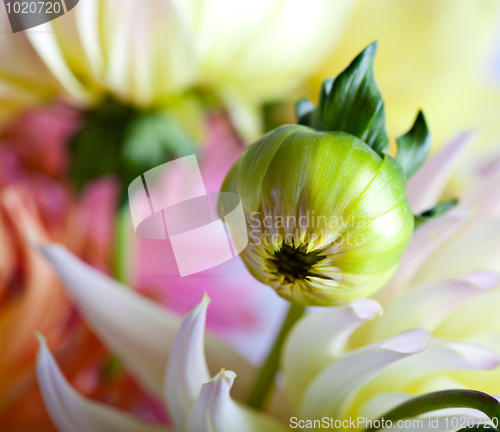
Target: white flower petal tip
x: 408, y: 342
x: 483, y: 280
x: 477, y: 356
x: 366, y: 309
x: 216, y: 411
x: 211, y: 408
x: 227, y: 377
x: 139, y: 331
x: 205, y: 301
x: 187, y: 369
x: 70, y: 411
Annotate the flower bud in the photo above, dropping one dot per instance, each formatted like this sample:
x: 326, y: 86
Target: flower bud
x: 327, y: 216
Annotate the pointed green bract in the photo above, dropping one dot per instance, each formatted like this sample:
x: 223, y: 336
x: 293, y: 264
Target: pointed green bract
x: 434, y: 212
x: 352, y: 103
x: 303, y: 109
x: 414, y: 146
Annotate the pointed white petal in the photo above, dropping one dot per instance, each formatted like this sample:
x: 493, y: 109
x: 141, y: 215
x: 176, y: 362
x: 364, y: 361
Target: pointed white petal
x: 441, y: 356
x: 187, y: 368
x: 45, y: 42
x: 428, y: 305
x: 87, y: 24
x: 72, y: 412
x: 424, y: 242
x: 304, y: 356
x: 215, y: 411
x: 427, y: 185
x: 334, y: 389
x: 138, y: 330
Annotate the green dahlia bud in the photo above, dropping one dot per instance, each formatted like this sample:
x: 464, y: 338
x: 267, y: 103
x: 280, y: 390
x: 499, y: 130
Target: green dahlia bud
x: 327, y: 216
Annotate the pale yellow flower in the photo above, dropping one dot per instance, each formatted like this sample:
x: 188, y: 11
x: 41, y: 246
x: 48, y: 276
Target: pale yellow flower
x: 147, y: 53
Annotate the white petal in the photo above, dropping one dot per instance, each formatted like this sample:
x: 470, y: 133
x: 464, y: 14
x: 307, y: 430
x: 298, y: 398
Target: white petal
x: 424, y: 242
x: 382, y: 403
x: 187, y: 368
x: 150, y: 50
x: 138, y: 330
x: 72, y: 412
x: 215, y: 411
x: 474, y: 247
x: 484, y: 195
x: 334, y: 389
x: 87, y: 23
x: 427, y: 185
x: 428, y: 305
x: 441, y: 356
x: 45, y: 42
x: 304, y: 356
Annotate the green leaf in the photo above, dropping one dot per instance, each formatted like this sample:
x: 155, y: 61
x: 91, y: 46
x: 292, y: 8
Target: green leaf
x: 119, y: 140
x: 414, y: 146
x: 152, y: 138
x: 434, y: 212
x: 352, y: 102
x: 96, y: 148
x: 445, y: 399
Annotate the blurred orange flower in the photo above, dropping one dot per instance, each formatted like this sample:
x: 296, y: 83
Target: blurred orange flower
x: 36, y: 202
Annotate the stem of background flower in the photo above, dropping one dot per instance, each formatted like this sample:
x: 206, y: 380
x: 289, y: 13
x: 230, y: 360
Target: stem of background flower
x: 446, y: 399
x: 265, y: 379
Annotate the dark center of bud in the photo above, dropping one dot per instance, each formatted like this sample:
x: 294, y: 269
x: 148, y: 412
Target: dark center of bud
x: 296, y: 263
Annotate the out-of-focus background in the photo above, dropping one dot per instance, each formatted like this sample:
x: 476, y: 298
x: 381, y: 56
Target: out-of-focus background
x: 113, y: 88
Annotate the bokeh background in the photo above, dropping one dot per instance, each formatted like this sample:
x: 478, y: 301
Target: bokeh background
x: 113, y: 88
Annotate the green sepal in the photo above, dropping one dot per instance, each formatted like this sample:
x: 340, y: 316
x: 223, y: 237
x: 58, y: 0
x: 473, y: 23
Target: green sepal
x: 414, y: 146
x: 434, y: 212
x: 445, y: 399
x: 352, y: 103
x: 304, y: 108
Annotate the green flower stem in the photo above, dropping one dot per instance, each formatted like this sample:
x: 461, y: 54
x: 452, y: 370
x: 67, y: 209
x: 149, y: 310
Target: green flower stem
x: 265, y: 379
x: 446, y: 399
